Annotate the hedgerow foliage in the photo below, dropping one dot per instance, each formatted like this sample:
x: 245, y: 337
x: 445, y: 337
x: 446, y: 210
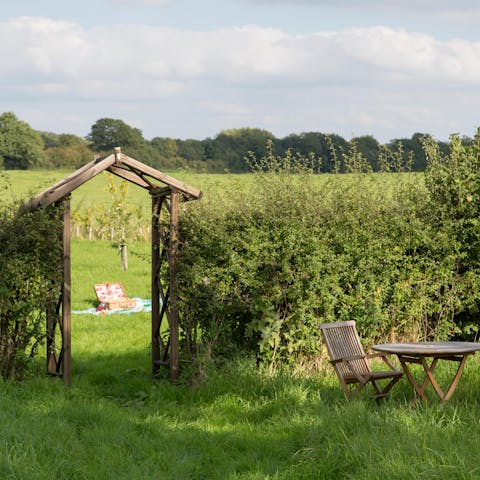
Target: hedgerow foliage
x: 30, y: 266
x: 453, y: 181
x: 398, y: 253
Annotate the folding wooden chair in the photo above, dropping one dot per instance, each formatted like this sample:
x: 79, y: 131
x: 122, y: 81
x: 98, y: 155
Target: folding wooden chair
x: 351, y: 364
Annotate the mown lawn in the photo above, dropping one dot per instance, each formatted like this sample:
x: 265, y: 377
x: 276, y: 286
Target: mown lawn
x: 230, y: 421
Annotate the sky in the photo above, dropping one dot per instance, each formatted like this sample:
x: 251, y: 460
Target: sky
x: 192, y: 68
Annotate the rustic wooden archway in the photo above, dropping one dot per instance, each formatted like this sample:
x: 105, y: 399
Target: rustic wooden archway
x: 166, y: 193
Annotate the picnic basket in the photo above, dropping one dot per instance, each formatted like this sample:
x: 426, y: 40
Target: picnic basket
x: 112, y: 296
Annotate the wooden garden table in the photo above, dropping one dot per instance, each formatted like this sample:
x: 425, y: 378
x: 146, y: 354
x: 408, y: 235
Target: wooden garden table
x: 418, y: 352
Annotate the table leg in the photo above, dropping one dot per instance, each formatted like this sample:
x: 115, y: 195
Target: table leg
x: 455, y: 380
x: 429, y: 376
x: 418, y: 390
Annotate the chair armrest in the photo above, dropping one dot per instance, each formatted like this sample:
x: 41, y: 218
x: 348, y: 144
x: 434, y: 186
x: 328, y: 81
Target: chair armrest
x: 353, y: 371
x: 376, y: 354
x: 347, y: 359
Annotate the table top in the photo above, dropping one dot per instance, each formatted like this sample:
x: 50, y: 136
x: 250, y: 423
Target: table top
x: 428, y: 349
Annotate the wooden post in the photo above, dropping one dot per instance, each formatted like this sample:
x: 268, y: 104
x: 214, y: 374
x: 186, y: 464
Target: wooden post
x: 66, y: 296
x: 53, y: 311
x: 52, y: 321
x: 124, y: 255
x: 172, y: 264
x: 156, y: 317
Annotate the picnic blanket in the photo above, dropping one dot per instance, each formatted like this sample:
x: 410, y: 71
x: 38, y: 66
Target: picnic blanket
x: 141, y: 305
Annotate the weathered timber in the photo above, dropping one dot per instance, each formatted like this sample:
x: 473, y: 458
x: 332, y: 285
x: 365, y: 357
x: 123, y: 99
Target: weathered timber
x: 172, y: 267
x: 156, y: 314
x: 53, y: 194
x: 66, y: 294
x: 70, y: 177
x: 130, y: 176
x: 54, y: 315
x: 166, y: 199
x: 162, y: 177
x: 161, y: 191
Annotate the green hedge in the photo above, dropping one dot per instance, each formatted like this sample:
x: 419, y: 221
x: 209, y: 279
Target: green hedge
x: 30, y: 276
x: 260, y: 269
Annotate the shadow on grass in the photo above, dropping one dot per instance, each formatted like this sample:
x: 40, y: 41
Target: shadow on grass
x: 89, y: 440
x: 117, y: 422
x: 126, y: 378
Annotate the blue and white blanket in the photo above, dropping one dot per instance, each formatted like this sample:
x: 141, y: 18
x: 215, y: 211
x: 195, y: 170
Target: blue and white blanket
x: 141, y: 305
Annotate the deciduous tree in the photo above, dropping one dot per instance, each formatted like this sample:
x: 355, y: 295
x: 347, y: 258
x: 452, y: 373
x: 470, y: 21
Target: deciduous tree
x: 108, y: 133
x: 21, y: 147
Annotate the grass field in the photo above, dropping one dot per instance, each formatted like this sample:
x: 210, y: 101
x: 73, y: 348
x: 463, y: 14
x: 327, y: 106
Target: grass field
x: 22, y: 184
x: 233, y: 422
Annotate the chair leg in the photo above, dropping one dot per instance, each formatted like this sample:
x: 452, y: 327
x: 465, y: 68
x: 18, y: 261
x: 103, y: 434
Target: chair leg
x: 377, y: 388
x: 351, y: 391
x: 348, y: 389
x: 384, y: 392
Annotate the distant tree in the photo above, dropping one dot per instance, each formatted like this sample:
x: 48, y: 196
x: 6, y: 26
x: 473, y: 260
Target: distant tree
x: 370, y: 149
x: 166, y: 153
x: 306, y: 143
x: 320, y: 144
x: 108, y: 133
x: 70, y: 140
x: 336, y: 144
x: 166, y: 147
x: 21, y: 147
x: 416, y: 145
x: 50, y: 139
x: 70, y: 151
x: 413, y: 146
x: 445, y: 147
x: 209, y: 148
x: 191, y: 150
x: 231, y: 147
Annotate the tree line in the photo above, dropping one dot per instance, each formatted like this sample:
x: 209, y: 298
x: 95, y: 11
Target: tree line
x: 22, y: 147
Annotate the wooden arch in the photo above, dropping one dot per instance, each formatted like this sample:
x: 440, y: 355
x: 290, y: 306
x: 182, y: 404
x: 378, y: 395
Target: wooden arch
x: 166, y: 193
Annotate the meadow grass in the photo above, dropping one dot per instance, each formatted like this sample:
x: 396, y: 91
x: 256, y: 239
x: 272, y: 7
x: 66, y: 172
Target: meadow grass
x: 233, y: 422
x: 21, y: 184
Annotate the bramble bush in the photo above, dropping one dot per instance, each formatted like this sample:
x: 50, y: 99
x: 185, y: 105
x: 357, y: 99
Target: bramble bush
x: 453, y: 181
x: 30, y: 266
x: 261, y: 269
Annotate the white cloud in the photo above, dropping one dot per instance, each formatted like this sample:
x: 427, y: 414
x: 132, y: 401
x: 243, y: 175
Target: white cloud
x: 369, y: 77
x: 248, y: 55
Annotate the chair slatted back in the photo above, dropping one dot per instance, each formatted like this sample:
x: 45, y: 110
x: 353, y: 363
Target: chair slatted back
x: 342, y: 341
